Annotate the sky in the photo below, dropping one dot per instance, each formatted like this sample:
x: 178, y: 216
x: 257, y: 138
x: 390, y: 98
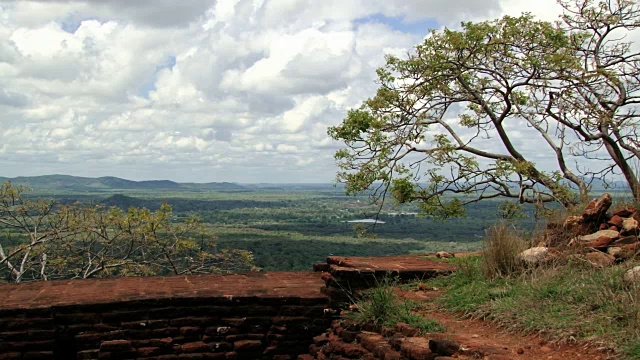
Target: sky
x: 201, y: 90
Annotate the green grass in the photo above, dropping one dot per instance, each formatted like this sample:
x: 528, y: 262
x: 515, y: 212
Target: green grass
x: 381, y: 306
x: 570, y: 302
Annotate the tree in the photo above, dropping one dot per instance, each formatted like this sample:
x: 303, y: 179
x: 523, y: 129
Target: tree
x: 74, y: 241
x: 449, y: 118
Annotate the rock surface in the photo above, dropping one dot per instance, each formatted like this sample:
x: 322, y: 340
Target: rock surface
x: 611, y: 234
x: 632, y: 275
x: 600, y: 259
x: 597, y: 208
x: 534, y: 256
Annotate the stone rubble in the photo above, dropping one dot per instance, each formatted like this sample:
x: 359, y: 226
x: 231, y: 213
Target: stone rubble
x: 600, y: 237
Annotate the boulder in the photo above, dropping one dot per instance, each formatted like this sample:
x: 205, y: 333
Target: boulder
x: 443, y: 347
x: 626, y: 240
x: 600, y: 259
x: 630, y: 225
x: 623, y: 213
x: 574, y: 225
x: 616, y: 221
x: 444, y: 255
x: 599, y: 234
x: 534, y: 256
x: 632, y: 276
x: 629, y: 251
x: 599, y: 243
x: 572, y: 222
x: 597, y: 208
x: 614, y: 251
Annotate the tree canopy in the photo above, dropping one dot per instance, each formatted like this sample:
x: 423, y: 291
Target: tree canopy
x: 516, y: 108
x: 51, y: 241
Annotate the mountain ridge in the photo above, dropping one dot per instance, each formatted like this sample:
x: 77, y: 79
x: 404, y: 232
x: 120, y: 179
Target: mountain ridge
x: 105, y: 183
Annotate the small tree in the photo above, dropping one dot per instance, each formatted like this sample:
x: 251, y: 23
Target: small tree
x: 449, y: 119
x: 56, y: 242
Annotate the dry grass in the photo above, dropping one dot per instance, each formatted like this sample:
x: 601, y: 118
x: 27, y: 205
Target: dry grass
x: 568, y: 302
x: 501, y: 247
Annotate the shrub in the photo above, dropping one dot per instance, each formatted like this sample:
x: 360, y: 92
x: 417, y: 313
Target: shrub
x: 501, y: 247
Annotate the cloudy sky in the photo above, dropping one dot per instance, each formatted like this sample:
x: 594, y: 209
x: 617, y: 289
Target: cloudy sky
x: 227, y: 90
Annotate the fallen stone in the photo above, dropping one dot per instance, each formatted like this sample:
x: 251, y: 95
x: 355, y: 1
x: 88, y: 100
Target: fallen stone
x: 534, y: 256
x: 444, y: 255
x: 597, y: 208
x: 629, y: 251
x: 630, y: 225
x: 600, y: 259
x: 596, y: 235
x: 599, y: 243
x: 631, y: 247
x: 443, y: 347
x: 416, y: 348
x: 627, y: 240
x: 603, y: 226
x: 616, y: 221
x: 572, y: 222
x: 406, y: 329
x: 632, y: 276
x: 623, y: 213
x: 614, y: 251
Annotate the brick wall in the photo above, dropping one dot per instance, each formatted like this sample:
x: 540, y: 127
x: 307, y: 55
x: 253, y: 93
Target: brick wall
x: 277, y: 323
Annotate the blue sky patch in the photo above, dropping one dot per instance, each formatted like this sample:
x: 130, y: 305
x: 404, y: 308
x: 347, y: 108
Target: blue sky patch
x: 421, y: 26
x: 72, y: 22
x: 150, y: 86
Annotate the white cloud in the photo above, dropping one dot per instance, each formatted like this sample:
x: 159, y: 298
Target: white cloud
x: 232, y: 90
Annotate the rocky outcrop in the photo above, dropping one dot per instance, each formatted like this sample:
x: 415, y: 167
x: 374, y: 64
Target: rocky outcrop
x: 607, y: 235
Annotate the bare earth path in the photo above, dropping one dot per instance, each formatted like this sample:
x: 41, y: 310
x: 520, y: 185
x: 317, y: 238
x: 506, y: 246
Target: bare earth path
x: 486, y: 340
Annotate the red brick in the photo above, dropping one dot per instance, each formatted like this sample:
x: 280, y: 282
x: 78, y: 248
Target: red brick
x: 11, y: 356
x: 37, y: 355
x: 115, y: 345
x: 88, y: 354
x: 247, y: 346
x: 149, y: 351
x: 217, y: 356
x: 195, y: 347
x: 190, y: 330
x: 191, y: 356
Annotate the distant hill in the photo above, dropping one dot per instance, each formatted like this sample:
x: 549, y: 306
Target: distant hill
x: 109, y: 183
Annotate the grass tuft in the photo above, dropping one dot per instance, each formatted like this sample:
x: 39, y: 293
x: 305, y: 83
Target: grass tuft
x: 501, y: 248
x: 381, y: 306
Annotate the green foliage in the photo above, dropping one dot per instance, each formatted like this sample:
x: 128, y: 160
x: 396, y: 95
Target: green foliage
x: 75, y: 241
x: 381, y: 306
x: 499, y: 76
x: 509, y: 210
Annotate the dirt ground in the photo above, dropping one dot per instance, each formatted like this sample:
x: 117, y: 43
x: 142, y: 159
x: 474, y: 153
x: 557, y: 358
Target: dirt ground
x: 485, y: 340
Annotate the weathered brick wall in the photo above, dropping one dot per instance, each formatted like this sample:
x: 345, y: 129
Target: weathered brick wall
x: 251, y: 316
x: 273, y: 324
x: 243, y: 328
